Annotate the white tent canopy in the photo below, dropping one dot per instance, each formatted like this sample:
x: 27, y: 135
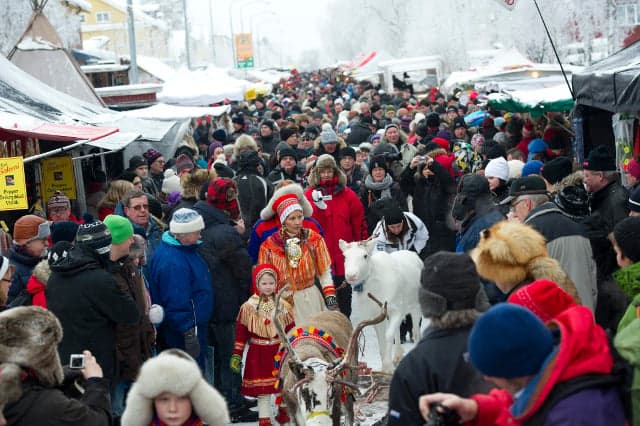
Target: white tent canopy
x: 176, y: 112
x: 202, y: 88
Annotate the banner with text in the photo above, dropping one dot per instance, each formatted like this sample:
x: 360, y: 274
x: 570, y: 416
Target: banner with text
x: 13, y: 188
x: 244, y: 50
x: 509, y: 4
x: 57, y: 175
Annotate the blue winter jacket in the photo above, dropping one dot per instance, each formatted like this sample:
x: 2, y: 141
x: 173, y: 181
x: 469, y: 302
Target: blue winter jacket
x: 179, y: 281
x: 469, y: 236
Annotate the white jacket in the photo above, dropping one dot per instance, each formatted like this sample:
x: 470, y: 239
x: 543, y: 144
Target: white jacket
x: 415, y: 239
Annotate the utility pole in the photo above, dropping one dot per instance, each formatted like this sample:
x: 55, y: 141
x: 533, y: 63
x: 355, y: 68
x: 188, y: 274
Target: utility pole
x: 186, y: 33
x: 213, y: 35
x: 133, y: 70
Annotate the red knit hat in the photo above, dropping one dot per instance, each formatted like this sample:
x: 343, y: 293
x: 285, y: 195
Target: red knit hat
x: 633, y: 168
x: 259, y: 271
x: 286, y: 205
x: 544, y: 298
x: 444, y: 144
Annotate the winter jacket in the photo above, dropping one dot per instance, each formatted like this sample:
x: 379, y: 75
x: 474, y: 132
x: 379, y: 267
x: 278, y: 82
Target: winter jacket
x: 38, y: 282
x: 253, y: 190
x: 343, y: 219
x: 414, y: 239
x: 180, y: 282
x: 627, y: 342
x: 610, y: 203
x: 567, y: 243
x: 370, y: 197
x: 355, y: 179
x: 264, y: 228
x: 438, y: 363
x: 469, y: 234
x: 134, y: 341
x: 23, y: 265
x: 573, y: 387
x: 87, y: 301
x: 359, y: 133
x: 432, y: 199
x: 225, y: 253
x: 41, y: 405
x: 406, y: 151
x: 277, y: 175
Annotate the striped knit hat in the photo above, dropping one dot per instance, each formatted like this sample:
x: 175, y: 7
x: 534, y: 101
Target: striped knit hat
x: 96, y: 236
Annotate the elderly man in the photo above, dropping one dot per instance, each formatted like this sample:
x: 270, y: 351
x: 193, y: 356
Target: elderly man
x: 397, y: 138
x: 566, y: 239
x: 136, y: 208
x: 180, y: 282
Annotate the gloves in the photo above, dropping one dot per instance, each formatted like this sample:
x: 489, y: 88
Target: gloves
x: 235, y: 363
x: 156, y: 314
x: 318, y: 199
x: 331, y: 302
x: 191, y: 343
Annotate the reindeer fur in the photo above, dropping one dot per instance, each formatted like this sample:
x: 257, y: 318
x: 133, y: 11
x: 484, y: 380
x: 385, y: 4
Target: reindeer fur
x: 340, y: 328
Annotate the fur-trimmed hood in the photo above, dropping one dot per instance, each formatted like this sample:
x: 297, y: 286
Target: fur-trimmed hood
x: 574, y: 179
x: 29, y: 338
x: 176, y: 372
x: 318, y: 142
x: 293, y: 188
x: 244, y: 143
x: 42, y: 271
x: 326, y: 161
x: 511, y: 253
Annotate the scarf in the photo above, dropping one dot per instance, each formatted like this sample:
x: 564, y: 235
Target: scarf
x: 329, y: 185
x: 384, y: 186
x: 628, y: 279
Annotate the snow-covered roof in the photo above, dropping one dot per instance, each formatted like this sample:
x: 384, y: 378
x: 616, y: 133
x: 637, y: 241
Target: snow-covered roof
x: 202, y: 88
x: 175, y: 112
x: 138, y: 13
x: 83, y: 5
x: 155, y: 67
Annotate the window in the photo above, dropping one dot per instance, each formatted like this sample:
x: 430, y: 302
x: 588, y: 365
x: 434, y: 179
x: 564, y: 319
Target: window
x: 103, y: 17
x: 83, y: 17
x: 627, y: 14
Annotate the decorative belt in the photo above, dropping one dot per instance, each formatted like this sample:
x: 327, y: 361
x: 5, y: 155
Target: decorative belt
x: 265, y: 342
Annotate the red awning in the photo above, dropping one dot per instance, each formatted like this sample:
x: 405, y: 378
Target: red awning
x: 63, y: 132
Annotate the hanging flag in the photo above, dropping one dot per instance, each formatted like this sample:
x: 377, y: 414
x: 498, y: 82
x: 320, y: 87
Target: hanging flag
x: 509, y: 4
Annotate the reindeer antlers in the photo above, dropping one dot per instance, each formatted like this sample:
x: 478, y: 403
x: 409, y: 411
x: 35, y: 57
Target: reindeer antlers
x: 283, y: 336
x: 352, y: 349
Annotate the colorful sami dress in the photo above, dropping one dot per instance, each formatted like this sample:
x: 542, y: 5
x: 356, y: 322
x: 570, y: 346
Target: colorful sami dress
x: 255, y: 327
x: 298, y: 264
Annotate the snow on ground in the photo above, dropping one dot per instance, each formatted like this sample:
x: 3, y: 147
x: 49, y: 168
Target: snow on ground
x: 371, y: 355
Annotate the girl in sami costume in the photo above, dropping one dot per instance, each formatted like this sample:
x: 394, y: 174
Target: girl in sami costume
x: 255, y: 327
x: 299, y: 255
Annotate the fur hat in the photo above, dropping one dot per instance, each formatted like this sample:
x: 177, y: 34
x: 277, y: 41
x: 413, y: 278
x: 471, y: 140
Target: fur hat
x: 326, y: 161
x: 176, y: 372
x: 450, y: 283
x: 293, y: 188
x: 510, y: 253
x: 244, y: 143
x: 29, y: 338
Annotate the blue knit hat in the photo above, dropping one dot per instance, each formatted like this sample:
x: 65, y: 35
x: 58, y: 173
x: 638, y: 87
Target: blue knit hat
x: 536, y: 146
x: 532, y: 168
x: 509, y: 341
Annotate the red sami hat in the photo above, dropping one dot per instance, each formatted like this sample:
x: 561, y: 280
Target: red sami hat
x: 259, y: 271
x: 286, y: 205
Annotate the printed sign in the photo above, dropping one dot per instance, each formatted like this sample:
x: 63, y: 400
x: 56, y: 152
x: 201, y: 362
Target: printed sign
x: 13, y: 189
x: 57, y: 175
x: 509, y: 4
x: 244, y: 50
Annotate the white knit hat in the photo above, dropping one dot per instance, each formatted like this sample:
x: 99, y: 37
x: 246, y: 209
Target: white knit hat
x: 185, y: 221
x: 515, y: 169
x: 171, y: 182
x: 499, y: 168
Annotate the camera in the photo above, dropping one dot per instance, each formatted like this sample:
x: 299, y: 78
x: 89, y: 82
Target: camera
x: 392, y: 156
x: 76, y: 361
x: 445, y: 417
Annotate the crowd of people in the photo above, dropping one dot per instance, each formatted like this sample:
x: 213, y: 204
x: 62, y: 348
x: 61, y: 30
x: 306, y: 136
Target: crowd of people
x: 530, y: 280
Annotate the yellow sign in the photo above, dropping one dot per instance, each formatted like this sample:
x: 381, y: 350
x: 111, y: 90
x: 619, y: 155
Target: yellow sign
x: 57, y: 175
x: 13, y: 189
x: 244, y: 50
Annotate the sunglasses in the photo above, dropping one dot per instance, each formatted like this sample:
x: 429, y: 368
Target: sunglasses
x: 140, y: 207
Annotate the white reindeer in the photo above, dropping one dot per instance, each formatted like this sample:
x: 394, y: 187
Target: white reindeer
x: 391, y: 277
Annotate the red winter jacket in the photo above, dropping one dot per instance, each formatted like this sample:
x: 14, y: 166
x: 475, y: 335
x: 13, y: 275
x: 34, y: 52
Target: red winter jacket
x: 38, y: 282
x: 343, y: 219
x: 583, y: 350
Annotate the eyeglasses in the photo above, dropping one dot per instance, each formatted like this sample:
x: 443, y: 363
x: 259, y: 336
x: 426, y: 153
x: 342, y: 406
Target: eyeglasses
x: 515, y: 203
x: 140, y: 207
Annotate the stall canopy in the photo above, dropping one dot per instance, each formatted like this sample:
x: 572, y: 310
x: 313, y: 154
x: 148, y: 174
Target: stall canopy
x: 611, y: 84
x: 175, y: 112
x: 203, y: 88
x: 557, y: 98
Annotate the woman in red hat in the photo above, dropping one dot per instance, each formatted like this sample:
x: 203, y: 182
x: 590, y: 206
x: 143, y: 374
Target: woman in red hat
x: 299, y: 255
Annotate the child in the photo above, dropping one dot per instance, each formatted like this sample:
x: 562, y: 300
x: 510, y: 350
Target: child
x: 255, y: 327
x: 625, y: 239
x: 170, y: 391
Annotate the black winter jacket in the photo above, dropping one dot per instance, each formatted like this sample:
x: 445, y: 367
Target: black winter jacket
x: 610, y: 203
x: 359, y: 133
x: 87, y: 301
x: 438, y: 363
x: 254, y: 190
x: 23, y: 268
x: 40, y: 405
x: 229, y: 262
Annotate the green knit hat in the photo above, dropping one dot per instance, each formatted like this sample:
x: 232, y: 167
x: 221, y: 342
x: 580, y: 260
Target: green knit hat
x: 120, y: 228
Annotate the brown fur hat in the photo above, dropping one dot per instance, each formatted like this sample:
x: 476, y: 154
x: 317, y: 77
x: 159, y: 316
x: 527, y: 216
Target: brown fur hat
x: 293, y: 188
x: 510, y: 253
x: 326, y: 161
x: 244, y: 143
x: 192, y: 182
x: 29, y: 338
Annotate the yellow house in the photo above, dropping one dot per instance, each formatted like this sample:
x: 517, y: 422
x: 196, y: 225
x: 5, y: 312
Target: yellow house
x: 108, y: 20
